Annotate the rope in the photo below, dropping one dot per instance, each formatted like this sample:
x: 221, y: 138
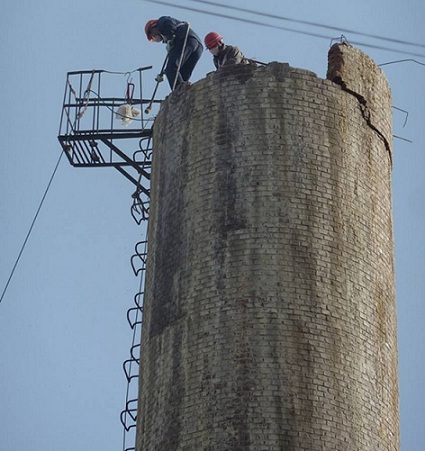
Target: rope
x: 31, y: 227
x: 87, y: 97
x: 181, y: 56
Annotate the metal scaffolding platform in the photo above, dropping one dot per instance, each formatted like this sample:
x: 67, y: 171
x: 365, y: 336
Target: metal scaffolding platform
x: 98, y: 128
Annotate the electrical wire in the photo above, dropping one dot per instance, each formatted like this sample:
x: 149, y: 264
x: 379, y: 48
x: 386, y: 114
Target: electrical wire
x: 401, y: 61
x: 31, y: 227
x: 403, y: 139
x: 305, y: 22
x: 256, y: 22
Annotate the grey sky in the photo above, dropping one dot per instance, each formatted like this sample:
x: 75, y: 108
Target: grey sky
x: 63, y: 329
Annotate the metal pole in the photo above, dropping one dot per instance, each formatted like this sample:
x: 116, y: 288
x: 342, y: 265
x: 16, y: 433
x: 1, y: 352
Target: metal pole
x: 158, y: 81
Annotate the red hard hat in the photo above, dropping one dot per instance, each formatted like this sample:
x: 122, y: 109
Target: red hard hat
x: 148, y: 26
x: 212, y: 39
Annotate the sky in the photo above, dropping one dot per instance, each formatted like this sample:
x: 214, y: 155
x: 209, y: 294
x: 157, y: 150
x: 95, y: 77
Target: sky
x: 63, y: 330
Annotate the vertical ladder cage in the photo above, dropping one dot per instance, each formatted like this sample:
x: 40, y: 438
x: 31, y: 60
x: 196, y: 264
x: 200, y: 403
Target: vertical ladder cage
x: 131, y: 365
x: 99, y: 129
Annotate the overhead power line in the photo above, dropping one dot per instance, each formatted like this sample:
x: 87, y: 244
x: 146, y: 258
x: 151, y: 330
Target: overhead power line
x: 269, y: 25
x: 402, y: 61
x: 305, y: 22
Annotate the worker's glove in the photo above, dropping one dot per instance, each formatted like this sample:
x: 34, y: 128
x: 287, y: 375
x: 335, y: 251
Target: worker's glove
x: 159, y: 78
x: 170, y: 44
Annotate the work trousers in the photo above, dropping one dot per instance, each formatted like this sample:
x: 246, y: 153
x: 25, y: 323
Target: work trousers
x: 189, y: 55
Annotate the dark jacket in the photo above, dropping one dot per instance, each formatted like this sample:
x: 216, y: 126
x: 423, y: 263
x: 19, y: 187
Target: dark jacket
x: 175, y: 30
x: 228, y: 55
x: 184, y: 49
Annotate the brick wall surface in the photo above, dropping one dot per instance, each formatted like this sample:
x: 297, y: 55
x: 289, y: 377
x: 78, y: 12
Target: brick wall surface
x: 270, y: 319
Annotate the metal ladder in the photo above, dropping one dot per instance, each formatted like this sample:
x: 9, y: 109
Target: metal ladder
x: 99, y: 129
x: 140, y: 213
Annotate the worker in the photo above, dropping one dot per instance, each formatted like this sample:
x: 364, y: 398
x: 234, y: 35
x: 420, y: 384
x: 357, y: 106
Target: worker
x: 223, y: 55
x: 183, y: 45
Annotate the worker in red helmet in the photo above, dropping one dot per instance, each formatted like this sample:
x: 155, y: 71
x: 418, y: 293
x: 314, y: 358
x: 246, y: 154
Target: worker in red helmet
x: 223, y: 55
x: 183, y: 45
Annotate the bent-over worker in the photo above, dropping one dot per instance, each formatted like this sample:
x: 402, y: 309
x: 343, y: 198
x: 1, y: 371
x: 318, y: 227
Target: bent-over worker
x: 183, y: 45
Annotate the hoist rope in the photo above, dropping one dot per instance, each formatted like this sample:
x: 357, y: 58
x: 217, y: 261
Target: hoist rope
x: 181, y: 57
x: 87, y: 97
x: 31, y: 227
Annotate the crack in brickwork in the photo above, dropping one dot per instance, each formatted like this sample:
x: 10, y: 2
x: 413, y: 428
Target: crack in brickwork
x: 365, y: 112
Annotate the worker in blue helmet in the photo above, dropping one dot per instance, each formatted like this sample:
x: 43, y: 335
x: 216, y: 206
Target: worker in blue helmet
x: 183, y: 45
